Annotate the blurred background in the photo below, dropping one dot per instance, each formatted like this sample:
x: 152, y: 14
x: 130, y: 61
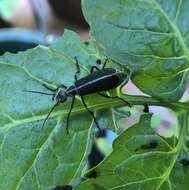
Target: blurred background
x: 26, y: 23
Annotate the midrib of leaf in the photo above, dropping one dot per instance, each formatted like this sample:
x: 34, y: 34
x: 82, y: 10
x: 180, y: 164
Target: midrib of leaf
x: 105, y: 103
x: 178, y: 11
x: 17, y: 185
x: 138, y: 100
x: 79, y: 109
x: 32, y: 165
x: 175, y: 28
x: 84, y: 158
x: 177, y: 149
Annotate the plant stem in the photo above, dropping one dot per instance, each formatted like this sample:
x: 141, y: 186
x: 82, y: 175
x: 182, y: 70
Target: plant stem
x: 145, y: 100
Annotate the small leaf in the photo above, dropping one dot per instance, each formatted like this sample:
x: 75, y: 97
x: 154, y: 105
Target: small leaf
x: 148, y: 37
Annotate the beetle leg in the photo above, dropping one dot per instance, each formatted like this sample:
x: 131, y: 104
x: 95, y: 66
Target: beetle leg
x: 68, y: 117
x: 104, y: 65
x: 146, y: 108
x: 61, y: 86
x: 51, y: 110
x: 93, y: 68
x: 78, y: 69
x: 115, y: 97
x: 92, y: 114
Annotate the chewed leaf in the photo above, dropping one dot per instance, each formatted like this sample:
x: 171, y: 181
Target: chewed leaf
x: 141, y: 159
x: 151, y: 38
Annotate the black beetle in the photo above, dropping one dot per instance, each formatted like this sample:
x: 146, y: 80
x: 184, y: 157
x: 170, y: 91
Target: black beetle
x: 97, y: 81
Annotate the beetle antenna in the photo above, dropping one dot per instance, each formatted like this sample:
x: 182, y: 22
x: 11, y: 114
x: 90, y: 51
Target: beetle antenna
x: 37, y: 92
x: 50, y: 113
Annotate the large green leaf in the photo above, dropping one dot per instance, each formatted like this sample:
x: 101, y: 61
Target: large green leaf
x: 150, y: 37
x: 141, y: 159
x: 39, y: 157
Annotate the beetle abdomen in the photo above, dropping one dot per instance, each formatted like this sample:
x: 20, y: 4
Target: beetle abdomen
x: 98, y: 81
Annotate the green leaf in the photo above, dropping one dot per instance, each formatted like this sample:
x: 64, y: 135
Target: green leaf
x: 38, y: 157
x: 141, y: 159
x: 151, y: 38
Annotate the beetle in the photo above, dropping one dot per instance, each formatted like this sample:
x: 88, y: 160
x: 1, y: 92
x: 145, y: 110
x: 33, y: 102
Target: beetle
x: 97, y: 81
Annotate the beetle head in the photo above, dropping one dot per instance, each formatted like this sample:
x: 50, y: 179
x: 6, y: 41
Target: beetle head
x: 61, y: 96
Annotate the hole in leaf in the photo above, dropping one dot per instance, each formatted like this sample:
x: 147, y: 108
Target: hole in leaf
x: 164, y: 121
x: 150, y: 145
x: 95, y: 157
x: 184, y: 162
x: 92, y: 174
x: 187, y: 143
x: 65, y: 187
x: 101, y: 133
x: 86, y: 43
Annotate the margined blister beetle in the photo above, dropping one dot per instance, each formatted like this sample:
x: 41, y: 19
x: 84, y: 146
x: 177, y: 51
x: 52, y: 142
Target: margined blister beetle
x: 97, y: 81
